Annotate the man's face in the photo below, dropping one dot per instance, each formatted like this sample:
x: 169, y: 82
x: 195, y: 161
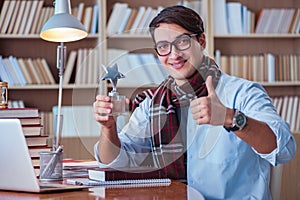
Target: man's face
x: 180, y: 64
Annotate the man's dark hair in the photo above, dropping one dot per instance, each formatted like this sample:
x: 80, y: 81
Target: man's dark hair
x: 180, y: 15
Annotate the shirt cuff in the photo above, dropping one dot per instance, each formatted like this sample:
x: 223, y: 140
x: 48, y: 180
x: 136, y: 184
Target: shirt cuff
x: 120, y: 161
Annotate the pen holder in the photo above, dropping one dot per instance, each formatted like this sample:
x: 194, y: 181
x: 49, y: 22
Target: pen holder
x: 51, y: 167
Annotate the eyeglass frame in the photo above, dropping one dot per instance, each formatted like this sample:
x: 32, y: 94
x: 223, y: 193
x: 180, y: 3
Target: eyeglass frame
x: 174, y: 43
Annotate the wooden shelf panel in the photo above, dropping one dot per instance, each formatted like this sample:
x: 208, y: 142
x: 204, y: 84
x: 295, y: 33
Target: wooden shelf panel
x: 258, y: 36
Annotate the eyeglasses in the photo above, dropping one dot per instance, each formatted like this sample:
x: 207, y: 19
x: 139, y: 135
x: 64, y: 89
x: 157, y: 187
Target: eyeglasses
x: 181, y: 43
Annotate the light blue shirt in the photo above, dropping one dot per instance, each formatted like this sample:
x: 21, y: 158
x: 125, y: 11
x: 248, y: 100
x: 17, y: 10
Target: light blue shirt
x: 220, y: 165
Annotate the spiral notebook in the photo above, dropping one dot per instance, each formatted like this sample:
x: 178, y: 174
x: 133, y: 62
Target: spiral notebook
x: 133, y: 182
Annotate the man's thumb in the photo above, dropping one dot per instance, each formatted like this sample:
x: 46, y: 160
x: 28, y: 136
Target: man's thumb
x: 210, y: 86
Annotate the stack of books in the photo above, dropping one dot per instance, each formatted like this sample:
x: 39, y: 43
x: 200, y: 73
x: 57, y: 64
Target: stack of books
x: 32, y: 128
x: 134, y: 176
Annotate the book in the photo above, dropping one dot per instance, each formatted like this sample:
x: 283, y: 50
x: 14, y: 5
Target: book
x: 124, y: 20
x: 34, y: 71
x: 30, y: 120
x: 114, y: 20
x: 41, y: 72
x: 47, y: 70
x: 11, y: 71
x: 30, y: 70
x: 35, y: 162
x: 219, y: 10
x: 19, y: 112
x: 4, y: 10
x: 13, y: 18
x: 8, y: 17
x: 105, y: 191
x: 143, y: 21
x: 94, y: 25
x: 80, y: 10
x: 4, y: 72
x: 87, y: 18
x: 19, y: 17
x: 130, y: 21
x: 32, y: 130
x: 24, y: 20
x: 37, y: 17
x: 34, y: 141
x: 25, y: 71
x: 69, y: 66
x: 31, y: 14
x: 139, y: 15
x: 136, y: 173
x: 133, y: 182
x: 19, y: 72
x: 34, y: 152
x: 234, y: 17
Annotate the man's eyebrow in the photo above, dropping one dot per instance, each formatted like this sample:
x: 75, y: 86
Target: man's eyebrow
x: 178, y: 36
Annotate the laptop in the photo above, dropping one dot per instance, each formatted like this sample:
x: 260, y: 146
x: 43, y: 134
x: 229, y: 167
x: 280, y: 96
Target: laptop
x: 16, y: 169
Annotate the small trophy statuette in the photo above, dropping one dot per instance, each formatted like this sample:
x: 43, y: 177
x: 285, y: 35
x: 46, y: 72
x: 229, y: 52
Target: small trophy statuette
x: 112, y: 74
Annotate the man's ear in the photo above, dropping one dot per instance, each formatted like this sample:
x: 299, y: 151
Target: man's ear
x: 202, y: 40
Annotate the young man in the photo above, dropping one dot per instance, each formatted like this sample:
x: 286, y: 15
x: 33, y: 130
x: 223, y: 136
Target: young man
x: 227, y: 126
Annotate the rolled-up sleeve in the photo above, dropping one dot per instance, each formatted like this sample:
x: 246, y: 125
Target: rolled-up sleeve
x: 134, y: 139
x: 252, y: 99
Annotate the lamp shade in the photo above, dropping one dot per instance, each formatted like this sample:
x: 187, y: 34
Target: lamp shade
x: 63, y: 26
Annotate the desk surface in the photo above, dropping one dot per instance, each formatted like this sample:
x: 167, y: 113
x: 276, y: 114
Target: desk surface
x: 176, y: 190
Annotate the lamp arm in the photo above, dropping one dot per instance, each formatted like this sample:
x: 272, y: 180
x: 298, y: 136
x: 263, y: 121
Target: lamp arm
x: 60, y: 63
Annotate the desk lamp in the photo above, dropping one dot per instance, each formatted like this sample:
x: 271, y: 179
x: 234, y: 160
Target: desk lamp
x: 62, y: 27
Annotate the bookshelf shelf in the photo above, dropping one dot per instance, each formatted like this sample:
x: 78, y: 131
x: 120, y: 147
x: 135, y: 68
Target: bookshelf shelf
x: 126, y: 36
x: 53, y: 87
x: 282, y: 83
x: 36, y: 36
x: 258, y: 36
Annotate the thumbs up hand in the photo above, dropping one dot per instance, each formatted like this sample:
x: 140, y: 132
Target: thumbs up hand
x: 208, y: 109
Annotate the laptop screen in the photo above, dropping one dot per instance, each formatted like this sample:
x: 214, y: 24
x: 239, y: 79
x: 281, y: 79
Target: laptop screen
x: 16, y: 169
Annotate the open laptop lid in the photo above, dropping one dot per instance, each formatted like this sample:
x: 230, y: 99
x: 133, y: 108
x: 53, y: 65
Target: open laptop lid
x: 16, y: 169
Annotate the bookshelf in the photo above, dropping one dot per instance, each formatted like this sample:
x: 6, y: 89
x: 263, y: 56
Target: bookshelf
x: 17, y: 44
x: 45, y: 96
x: 277, y: 44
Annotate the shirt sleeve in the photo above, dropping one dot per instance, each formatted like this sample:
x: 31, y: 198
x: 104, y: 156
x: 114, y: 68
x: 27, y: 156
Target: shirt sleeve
x: 256, y: 104
x: 134, y: 138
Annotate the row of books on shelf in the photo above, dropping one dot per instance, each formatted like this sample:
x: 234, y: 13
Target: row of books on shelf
x: 86, y: 65
x: 32, y: 124
x: 236, y: 18
x: 25, y: 71
x: 288, y: 108
x: 78, y: 121
x: 261, y: 68
x: 278, y: 20
x: 139, y: 68
x: 28, y: 16
x: 126, y: 19
x: 15, y: 103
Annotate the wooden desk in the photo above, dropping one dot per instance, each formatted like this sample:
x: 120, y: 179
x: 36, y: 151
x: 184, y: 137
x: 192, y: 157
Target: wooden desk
x: 176, y: 190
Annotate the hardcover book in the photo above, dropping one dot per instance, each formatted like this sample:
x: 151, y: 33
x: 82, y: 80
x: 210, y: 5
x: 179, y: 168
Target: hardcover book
x: 109, y: 174
x: 19, y: 112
